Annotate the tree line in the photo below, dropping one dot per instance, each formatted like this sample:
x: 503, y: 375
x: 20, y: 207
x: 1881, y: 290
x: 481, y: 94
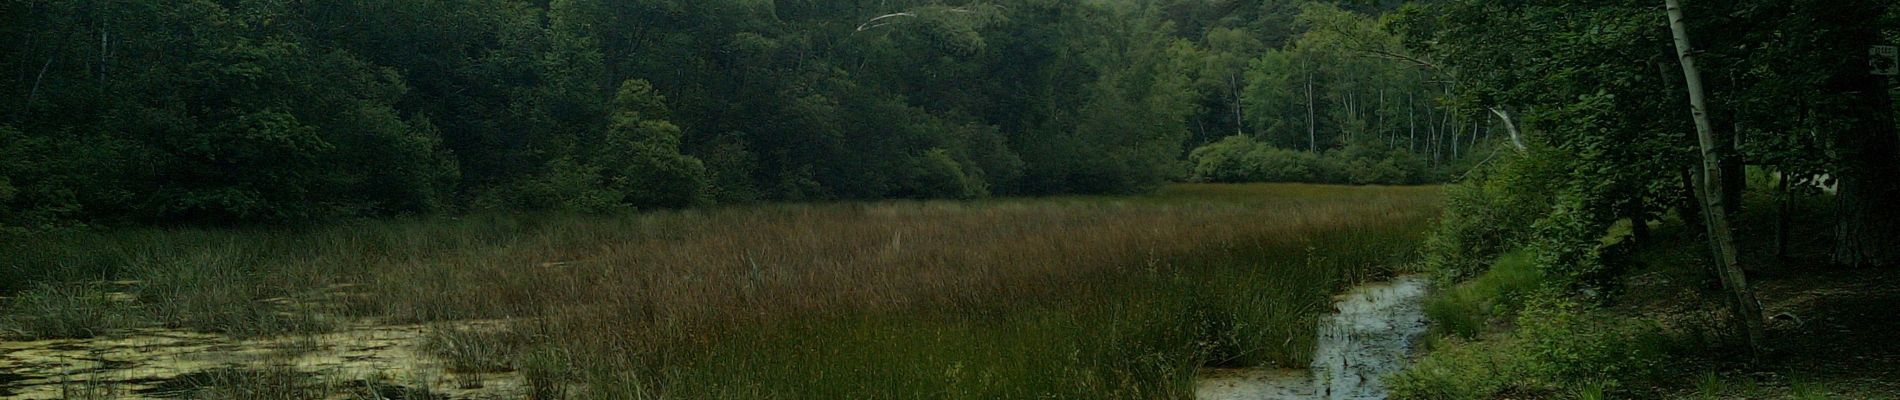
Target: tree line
x: 268, y: 111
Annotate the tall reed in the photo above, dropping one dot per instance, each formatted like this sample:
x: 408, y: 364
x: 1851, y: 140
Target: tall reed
x: 1078, y: 297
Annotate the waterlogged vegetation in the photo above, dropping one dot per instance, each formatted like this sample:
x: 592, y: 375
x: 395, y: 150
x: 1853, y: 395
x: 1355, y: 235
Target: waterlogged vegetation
x: 1081, y: 297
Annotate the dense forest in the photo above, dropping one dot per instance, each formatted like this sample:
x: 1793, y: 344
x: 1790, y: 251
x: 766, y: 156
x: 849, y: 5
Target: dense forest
x: 1668, y: 159
x: 242, y: 112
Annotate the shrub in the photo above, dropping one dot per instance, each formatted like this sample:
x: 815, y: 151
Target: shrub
x: 1223, y: 161
x: 1270, y: 164
x: 1561, y: 346
x: 935, y: 174
x: 1240, y: 159
x: 1576, y: 345
x: 1493, y: 212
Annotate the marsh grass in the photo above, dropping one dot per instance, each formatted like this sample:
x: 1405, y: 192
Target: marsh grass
x: 467, y: 350
x: 1078, y: 297
x: 65, y: 310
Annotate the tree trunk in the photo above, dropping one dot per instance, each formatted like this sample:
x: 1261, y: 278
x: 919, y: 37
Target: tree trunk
x: 1868, y: 200
x: 1735, y: 170
x: 1510, y: 126
x: 1690, y: 211
x: 1721, y: 235
x: 1411, y: 118
x: 1784, y: 216
x: 1639, y: 218
x: 1312, y: 117
x: 34, y: 95
x: 1240, y: 120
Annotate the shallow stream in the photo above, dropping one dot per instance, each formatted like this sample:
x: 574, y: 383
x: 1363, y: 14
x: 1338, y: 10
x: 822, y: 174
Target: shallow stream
x: 1370, y: 334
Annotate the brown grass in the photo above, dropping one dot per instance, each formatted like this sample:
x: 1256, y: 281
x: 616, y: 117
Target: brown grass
x: 670, y: 301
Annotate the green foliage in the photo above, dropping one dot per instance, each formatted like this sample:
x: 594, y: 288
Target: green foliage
x: 275, y: 113
x: 1468, y: 309
x: 936, y: 174
x: 8, y: 157
x: 1489, y: 214
x: 1240, y: 159
x: 65, y: 311
x: 1560, y: 347
x: 1573, y: 345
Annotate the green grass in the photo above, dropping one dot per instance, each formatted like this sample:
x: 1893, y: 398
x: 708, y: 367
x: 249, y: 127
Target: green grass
x: 1467, y: 309
x: 1076, y: 297
x: 65, y: 310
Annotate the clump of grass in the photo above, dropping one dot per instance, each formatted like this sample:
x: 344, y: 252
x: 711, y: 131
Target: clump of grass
x: 1466, y: 309
x: 547, y: 371
x: 219, y: 290
x: 65, y: 311
x: 1711, y: 386
x: 274, y: 382
x: 1806, y: 389
x: 469, y: 350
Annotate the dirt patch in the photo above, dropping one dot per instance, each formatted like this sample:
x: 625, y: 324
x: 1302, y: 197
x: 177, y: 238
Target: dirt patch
x: 1831, y: 328
x: 1837, y: 326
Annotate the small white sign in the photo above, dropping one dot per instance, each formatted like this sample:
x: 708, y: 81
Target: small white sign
x: 1884, y: 60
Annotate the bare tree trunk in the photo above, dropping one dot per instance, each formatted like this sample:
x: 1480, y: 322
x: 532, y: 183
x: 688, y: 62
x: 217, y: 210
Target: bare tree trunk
x: 34, y: 94
x: 1240, y: 121
x: 1433, y: 135
x: 1476, y: 126
x: 1457, y: 135
x: 1352, y: 113
x: 1312, y: 117
x: 1510, y: 126
x: 1411, y: 118
x: 1721, y: 235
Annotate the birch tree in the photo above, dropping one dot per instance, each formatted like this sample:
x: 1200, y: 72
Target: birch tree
x: 1715, y: 214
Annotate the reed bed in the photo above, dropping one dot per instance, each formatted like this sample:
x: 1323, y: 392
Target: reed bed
x: 1082, y: 297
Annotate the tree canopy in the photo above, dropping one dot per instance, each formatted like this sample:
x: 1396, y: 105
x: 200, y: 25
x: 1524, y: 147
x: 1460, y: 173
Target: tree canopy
x: 239, y: 112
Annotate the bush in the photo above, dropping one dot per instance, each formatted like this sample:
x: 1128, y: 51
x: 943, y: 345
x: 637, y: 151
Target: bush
x: 1269, y: 164
x: 1223, y: 161
x: 1240, y: 159
x: 1561, y: 347
x: 935, y: 174
x: 1486, y: 216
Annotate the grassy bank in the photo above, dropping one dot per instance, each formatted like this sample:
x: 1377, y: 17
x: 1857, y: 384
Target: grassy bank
x: 1661, y: 329
x: 1064, y: 298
